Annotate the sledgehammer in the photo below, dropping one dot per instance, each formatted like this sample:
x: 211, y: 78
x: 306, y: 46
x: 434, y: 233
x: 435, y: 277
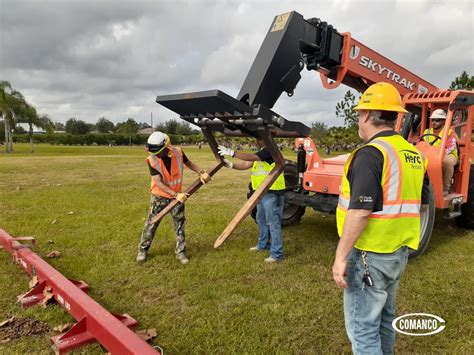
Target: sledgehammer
x: 190, y: 190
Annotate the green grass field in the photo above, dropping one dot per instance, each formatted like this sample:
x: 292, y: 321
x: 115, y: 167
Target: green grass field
x: 226, y: 300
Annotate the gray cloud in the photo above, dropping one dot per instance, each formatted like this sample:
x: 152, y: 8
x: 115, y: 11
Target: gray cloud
x: 89, y: 59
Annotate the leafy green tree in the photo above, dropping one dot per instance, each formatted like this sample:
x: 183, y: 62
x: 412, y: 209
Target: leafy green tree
x: 11, y: 103
x: 19, y: 130
x: 345, y: 109
x: 161, y: 127
x: 464, y: 81
x: 45, y: 122
x: 172, y: 126
x: 319, y: 131
x: 59, y: 126
x: 103, y: 125
x: 90, y: 127
x: 128, y: 128
x: 184, y: 129
x: 175, y: 127
x: 143, y: 125
x: 26, y: 113
x: 74, y: 126
x: 15, y: 109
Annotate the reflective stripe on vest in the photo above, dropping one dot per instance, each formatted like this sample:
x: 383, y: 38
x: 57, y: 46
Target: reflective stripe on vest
x: 172, y: 179
x: 260, y: 170
x: 398, y: 223
x: 429, y: 139
x: 389, y: 211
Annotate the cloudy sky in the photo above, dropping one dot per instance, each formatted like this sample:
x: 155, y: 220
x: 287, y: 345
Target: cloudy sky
x: 90, y: 59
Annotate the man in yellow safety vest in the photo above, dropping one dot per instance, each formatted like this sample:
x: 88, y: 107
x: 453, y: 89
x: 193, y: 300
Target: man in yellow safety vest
x: 378, y: 219
x: 270, y: 207
x: 434, y: 135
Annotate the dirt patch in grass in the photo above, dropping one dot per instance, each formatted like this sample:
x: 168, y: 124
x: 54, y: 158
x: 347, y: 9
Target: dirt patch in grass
x: 19, y: 327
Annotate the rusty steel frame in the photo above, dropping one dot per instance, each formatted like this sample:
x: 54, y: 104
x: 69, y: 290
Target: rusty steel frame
x: 94, y: 322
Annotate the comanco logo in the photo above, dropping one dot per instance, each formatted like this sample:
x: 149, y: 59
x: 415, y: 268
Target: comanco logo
x: 419, y: 324
x: 384, y: 71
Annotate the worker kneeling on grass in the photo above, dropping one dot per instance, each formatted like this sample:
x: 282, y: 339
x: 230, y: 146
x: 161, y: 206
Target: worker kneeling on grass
x: 378, y: 219
x: 165, y: 163
x: 270, y: 207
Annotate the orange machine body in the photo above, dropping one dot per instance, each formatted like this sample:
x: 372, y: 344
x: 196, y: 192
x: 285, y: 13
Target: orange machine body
x: 325, y: 175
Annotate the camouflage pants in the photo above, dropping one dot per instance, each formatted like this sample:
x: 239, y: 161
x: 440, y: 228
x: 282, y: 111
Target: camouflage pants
x: 157, y: 204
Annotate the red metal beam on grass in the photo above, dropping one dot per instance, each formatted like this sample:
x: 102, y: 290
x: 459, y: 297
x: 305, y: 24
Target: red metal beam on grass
x: 94, y: 322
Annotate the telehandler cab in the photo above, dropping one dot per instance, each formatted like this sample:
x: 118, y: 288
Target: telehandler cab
x: 291, y: 44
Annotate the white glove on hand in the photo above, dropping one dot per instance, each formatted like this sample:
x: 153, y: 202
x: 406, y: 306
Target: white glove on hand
x: 181, y: 196
x: 225, y: 151
x: 228, y: 164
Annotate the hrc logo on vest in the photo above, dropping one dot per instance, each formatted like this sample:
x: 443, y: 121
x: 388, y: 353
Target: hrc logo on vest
x: 412, y: 157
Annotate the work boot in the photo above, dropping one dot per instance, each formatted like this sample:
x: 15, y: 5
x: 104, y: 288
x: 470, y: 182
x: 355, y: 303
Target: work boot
x: 182, y: 259
x: 272, y: 260
x: 141, y: 257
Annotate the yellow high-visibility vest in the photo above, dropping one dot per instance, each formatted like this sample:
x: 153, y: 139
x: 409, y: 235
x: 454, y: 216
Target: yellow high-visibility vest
x: 260, y: 171
x: 398, y: 224
x: 430, y: 139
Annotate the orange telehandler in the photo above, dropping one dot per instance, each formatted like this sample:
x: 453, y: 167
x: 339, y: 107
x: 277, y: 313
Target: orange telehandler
x: 291, y: 44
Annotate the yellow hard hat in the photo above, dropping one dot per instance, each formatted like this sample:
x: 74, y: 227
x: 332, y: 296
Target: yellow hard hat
x: 381, y: 97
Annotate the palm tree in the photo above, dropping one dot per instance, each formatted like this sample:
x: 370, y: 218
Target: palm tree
x: 8, y: 104
x: 18, y: 108
x: 32, y: 118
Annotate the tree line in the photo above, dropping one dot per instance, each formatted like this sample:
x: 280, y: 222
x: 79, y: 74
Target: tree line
x: 15, y: 109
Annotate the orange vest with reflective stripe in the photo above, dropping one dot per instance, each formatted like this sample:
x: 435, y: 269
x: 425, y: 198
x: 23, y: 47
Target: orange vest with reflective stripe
x: 174, y: 178
x: 398, y: 224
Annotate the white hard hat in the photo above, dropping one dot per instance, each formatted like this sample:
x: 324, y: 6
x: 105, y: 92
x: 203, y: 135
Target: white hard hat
x: 157, y: 142
x: 439, y: 114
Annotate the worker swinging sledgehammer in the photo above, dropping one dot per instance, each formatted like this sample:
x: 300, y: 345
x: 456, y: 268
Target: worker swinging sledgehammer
x: 165, y: 163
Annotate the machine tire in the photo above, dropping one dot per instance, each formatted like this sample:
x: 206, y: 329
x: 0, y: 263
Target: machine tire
x: 427, y: 219
x: 291, y: 213
x: 466, y: 219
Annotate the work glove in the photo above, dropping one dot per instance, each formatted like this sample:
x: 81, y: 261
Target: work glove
x: 225, y: 151
x: 228, y: 164
x: 181, y: 196
x: 204, y: 177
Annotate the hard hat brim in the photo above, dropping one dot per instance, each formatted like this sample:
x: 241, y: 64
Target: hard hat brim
x: 372, y: 107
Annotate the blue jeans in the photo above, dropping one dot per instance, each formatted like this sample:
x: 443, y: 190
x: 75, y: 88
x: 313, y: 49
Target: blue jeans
x: 369, y: 311
x: 269, y: 215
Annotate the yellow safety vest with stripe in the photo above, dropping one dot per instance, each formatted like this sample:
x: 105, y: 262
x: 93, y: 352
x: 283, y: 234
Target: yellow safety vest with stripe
x: 173, y: 178
x: 260, y: 171
x: 430, y: 139
x: 398, y: 224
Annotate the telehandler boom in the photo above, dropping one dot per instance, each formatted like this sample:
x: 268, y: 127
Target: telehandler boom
x: 293, y: 43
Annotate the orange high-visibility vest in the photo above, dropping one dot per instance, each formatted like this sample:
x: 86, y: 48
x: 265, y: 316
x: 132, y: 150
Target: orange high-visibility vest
x: 173, y: 178
x: 398, y: 223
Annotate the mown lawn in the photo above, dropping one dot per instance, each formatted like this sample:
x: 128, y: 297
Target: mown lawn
x: 226, y: 300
